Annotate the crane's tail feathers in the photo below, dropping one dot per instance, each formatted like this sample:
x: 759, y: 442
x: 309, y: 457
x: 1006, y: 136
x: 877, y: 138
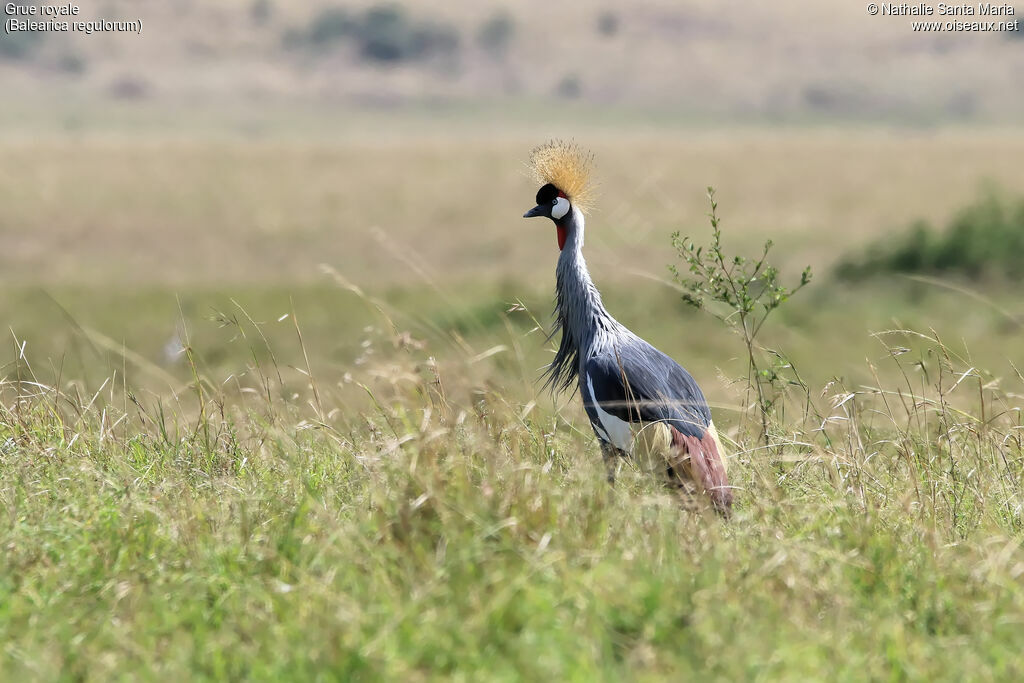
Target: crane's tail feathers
x: 703, y: 458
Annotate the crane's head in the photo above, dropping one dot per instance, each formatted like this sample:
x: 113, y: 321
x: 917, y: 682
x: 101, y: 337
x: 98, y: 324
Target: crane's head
x: 551, y: 202
x: 564, y: 170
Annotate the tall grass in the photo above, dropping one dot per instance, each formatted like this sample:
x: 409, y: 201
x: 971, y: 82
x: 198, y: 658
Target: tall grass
x: 429, y: 518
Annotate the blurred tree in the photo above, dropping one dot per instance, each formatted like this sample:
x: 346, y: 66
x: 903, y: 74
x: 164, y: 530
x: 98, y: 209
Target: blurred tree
x: 387, y: 34
x: 19, y: 44
x: 71, y: 63
x: 331, y: 25
x: 496, y: 34
x: 569, y: 87
x: 608, y: 23
x: 260, y: 11
x: 383, y: 33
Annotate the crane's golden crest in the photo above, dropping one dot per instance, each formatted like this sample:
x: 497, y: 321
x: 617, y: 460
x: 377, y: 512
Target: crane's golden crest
x: 566, y: 166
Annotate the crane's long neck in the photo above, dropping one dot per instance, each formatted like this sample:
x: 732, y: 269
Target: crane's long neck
x: 582, y: 318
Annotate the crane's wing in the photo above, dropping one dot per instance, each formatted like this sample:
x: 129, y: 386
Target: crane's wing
x: 637, y: 383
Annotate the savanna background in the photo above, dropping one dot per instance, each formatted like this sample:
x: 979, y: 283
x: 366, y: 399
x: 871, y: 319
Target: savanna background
x: 269, y: 404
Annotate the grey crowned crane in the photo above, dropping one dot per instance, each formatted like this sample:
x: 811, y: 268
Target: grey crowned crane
x: 624, y: 381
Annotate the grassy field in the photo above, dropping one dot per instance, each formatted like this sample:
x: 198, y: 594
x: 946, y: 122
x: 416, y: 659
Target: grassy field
x: 447, y: 523
x: 96, y: 207
x: 269, y: 409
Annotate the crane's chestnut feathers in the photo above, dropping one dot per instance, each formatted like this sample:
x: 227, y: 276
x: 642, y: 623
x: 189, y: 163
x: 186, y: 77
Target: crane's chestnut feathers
x: 565, y: 166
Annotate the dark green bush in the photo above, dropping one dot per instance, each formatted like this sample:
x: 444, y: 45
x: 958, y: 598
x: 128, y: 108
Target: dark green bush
x: 387, y: 34
x: 383, y: 33
x: 985, y: 238
x: 71, y: 63
x: 19, y: 44
x: 496, y: 35
x: 329, y: 26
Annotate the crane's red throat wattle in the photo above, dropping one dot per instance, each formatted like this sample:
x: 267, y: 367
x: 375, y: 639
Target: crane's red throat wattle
x: 561, y: 237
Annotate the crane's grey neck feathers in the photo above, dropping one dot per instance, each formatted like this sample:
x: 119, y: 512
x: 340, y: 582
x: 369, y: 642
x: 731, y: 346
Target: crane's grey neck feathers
x: 580, y: 314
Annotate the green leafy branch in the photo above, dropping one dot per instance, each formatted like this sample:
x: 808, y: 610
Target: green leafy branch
x: 747, y: 292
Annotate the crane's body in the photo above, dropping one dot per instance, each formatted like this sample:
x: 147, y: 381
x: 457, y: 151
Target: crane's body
x: 622, y: 379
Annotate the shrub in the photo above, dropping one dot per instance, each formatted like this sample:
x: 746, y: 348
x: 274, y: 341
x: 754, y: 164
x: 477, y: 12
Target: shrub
x: 71, y: 63
x: 329, y: 26
x: 386, y: 34
x: 383, y: 33
x: 608, y: 23
x: 19, y: 44
x: 743, y: 293
x: 496, y: 35
x: 260, y: 11
x: 569, y: 87
x: 985, y: 238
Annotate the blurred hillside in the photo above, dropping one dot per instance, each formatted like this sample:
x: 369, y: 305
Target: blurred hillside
x: 364, y: 135
x: 790, y: 60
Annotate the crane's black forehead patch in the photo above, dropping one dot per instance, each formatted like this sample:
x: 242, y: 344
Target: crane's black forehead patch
x: 547, y: 194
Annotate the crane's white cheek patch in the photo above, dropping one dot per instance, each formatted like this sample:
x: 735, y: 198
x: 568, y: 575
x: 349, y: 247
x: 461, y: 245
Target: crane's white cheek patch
x: 560, y: 208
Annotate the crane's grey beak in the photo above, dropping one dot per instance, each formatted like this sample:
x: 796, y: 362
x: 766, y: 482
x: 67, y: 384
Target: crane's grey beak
x: 535, y: 211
